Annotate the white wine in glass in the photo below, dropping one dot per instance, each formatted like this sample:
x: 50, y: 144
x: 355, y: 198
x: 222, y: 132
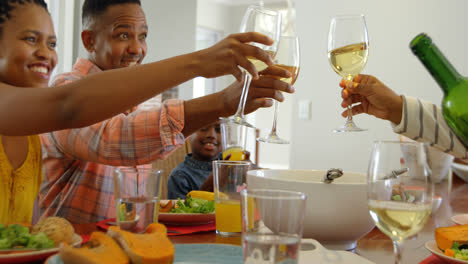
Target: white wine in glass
x: 348, y: 50
x: 399, y: 190
x: 267, y: 22
x: 287, y: 57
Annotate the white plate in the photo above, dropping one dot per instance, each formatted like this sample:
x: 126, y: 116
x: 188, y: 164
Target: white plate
x: 36, y: 255
x: 319, y: 254
x: 461, y: 219
x: 432, y: 247
x: 461, y: 170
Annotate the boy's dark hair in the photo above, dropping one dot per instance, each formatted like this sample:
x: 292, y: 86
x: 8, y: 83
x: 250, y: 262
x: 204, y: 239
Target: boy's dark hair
x: 6, y: 6
x: 93, y: 8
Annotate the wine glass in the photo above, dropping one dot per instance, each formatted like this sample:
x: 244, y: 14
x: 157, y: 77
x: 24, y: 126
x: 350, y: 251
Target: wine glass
x: 287, y: 57
x: 267, y: 22
x: 399, y: 189
x: 347, y: 53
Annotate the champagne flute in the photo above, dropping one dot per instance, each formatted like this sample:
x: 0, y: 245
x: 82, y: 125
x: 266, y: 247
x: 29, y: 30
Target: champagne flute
x: 347, y: 53
x: 267, y: 22
x: 287, y: 57
x: 399, y: 190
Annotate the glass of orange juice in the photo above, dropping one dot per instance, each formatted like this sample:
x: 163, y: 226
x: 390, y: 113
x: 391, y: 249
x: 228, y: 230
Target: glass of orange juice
x: 229, y: 179
x: 234, y: 140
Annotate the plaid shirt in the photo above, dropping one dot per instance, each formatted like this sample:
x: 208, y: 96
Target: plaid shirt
x: 78, y: 181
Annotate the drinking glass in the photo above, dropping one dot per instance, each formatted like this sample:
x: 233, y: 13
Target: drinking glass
x: 229, y: 179
x: 234, y: 140
x: 267, y: 22
x: 287, y: 57
x: 347, y: 53
x: 399, y: 190
x: 272, y: 225
x: 136, y: 192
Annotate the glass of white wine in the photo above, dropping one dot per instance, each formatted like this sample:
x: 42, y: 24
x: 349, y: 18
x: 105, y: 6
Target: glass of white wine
x: 399, y: 190
x: 267, y: 22
x: 287, y: 57
x: 348, y: 45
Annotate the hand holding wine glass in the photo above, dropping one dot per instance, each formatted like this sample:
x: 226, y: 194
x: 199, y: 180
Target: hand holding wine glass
x: 267, y: 22
x: 287, y: 57
x: 347, y: 53
x: 399, y: 190
x: 236, y: 49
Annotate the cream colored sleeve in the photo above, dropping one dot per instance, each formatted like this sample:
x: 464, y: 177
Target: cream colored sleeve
x: 424, y: 122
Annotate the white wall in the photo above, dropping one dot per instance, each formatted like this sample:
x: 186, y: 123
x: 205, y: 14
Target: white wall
x: 391, y: 26
x: 172, y: 29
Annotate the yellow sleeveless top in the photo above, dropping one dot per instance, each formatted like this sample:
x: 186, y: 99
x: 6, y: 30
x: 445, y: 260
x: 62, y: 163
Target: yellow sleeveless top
x: 19, y: 188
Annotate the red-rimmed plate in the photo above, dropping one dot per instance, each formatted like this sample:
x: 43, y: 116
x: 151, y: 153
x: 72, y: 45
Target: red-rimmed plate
x: 35, y: 255
x: 185, y: 218
x: 432, y: 247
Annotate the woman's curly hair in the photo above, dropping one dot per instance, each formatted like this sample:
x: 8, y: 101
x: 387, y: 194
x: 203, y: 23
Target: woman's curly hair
x: 6, y: 6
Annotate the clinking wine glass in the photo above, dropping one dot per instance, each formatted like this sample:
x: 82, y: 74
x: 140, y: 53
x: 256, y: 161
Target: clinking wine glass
x: 399, y: 190
x: 267, y: 22
x: 348, y: 45
x: 287, y: 57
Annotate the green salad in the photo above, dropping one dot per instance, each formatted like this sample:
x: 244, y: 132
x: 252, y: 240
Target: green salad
x: 18, y: 236
x: 193, y: 205
x: 460, y: 251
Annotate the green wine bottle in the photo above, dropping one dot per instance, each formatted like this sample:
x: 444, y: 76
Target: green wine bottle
x: 454, y: 86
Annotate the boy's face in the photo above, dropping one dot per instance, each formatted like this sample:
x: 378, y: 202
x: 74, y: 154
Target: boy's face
x: 27, y: 53
x: 206, y: 143
x: 119, y: 37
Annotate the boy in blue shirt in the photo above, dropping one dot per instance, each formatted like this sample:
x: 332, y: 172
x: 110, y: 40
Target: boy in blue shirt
x: 197, y: 166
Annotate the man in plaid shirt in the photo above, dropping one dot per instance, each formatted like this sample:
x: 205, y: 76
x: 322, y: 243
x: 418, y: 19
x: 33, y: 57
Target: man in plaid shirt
x: 78, y: 177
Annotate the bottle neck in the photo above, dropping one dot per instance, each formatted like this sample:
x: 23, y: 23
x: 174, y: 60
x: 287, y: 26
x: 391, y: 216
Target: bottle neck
x: 435, y: 62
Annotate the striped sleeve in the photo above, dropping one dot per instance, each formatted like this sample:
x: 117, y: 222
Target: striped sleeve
x: 423, y: 121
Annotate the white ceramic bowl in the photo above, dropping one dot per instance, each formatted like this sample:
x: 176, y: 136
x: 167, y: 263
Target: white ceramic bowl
x: 336, y: 214
x: 439, y: 162
x: 461, y: 170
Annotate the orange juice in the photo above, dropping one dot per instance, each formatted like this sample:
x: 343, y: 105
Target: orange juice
x: 228, y: 216
x: 237, y: 153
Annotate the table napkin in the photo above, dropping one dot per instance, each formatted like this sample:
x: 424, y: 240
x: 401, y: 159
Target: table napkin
x: 85, y: 239
x: 172, y: 230
x: 432, y: 259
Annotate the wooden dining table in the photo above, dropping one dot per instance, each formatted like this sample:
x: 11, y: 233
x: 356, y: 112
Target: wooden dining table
x: 374, y: 246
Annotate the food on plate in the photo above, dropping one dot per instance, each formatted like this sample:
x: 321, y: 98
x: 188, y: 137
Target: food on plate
x: 165, y: 206
x: 56, y: 228
x: 400, y: 194
x: 193, y: 205
x: 453, y: 241
x: 458, y: 251
x: 151, y: 247
x: 100, y: 248
x: 209, y: 196
x: 17, y: 236
x: 122, y: 247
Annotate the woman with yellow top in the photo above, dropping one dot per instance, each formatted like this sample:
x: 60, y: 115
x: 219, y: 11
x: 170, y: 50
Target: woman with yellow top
x: 19, y: 181
x: 27, y: 58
